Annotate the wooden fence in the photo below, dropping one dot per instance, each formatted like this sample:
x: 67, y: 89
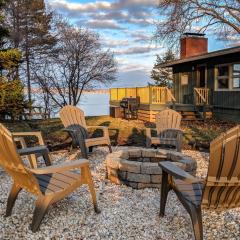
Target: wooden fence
x: 148, y: 95
x: 201, y: 96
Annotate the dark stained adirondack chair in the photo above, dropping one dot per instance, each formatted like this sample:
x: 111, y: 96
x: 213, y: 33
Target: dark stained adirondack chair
x: 33, y: 152
x: 221, y: 188
x: 49, y: 184
x: 74, y: 122
x: 168, y: 130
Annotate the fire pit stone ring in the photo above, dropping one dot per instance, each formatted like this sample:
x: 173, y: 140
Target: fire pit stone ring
x: 138, y: 167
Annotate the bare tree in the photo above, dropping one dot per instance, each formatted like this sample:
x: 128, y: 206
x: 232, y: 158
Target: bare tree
x: 179, y: 16
x: 80, y: 63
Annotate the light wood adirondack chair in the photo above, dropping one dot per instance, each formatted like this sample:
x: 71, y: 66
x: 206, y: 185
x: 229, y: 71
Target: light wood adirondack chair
x: 168, y: 130
x: 74, y: 122
x: 48, y: 184
x: 220, y: 190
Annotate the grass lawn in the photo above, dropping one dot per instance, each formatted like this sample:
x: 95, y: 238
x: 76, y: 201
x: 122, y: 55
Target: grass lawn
x: 122, y: 132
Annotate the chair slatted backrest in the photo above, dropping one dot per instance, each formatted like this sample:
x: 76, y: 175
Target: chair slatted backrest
x: 13, y: 165
x: 222, y: 188
x: 167, y: 119
x: 71, y: 115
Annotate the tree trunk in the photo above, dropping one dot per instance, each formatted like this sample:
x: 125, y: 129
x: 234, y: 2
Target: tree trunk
x: 28, y: 77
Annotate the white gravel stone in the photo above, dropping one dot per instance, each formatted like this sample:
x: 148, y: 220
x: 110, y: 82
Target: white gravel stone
x: 126, y: 213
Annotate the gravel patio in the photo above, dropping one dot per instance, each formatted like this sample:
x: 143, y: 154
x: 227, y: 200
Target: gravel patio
x: 125, y: 213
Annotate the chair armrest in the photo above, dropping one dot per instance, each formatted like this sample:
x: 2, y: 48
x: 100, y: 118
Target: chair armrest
x: 149, y: 132
x: 97, y: 127
x: 25, y: 134
x: 178, y: 173
x: 176, y: 130
x: 178, y: 133
x: 33, y: 150
x: 105, y: 129
x: 149, y: 136
x: 61, y: 167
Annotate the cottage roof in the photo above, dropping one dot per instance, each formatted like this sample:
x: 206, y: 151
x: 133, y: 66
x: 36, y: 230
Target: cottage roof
x: 218, y: 53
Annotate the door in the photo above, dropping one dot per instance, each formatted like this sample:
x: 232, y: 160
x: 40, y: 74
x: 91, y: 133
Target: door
x: 201, y: 77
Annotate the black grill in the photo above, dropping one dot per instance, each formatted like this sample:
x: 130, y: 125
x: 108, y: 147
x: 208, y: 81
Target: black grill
x: 130, y: 107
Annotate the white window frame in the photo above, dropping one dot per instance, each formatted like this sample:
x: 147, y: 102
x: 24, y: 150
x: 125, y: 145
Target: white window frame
x: 230, y: 77
x: 235, y: 89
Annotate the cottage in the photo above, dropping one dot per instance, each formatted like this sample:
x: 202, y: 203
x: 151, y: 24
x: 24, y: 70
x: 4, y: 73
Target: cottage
x: 210, y: 79
x: 205, y: 84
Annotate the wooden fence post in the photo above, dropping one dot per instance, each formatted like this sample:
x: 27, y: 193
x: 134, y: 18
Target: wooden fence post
x: 150, y: 94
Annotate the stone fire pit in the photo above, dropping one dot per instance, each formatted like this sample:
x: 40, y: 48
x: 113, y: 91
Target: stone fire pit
x: 138, y: 167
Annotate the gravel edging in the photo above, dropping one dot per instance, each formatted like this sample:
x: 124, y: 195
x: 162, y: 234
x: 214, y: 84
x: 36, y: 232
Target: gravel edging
x: 126, y: 213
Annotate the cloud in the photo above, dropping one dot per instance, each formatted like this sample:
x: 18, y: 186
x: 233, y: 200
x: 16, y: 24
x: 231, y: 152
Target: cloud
x: 103, y: 5
x: 104, y: 24
x: 134, y: 67
x: 134, y: 3
x: 80, y: 7
x: 123, y: 18
x: 125, y: 26
x: 141, y: 37
x: 110, y: 43
x: 141, y: 22
x: 137, y: 12
x: 136, y: 50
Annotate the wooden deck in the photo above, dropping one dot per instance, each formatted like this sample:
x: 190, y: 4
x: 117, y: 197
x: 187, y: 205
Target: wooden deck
x: 148, y: 95
x: 156, y: 99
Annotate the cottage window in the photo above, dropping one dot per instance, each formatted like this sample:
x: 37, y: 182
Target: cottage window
x: 223, y: 77
x: 236, y: 75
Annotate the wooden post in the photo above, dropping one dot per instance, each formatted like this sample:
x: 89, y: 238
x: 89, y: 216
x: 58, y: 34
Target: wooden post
x: 195, y: 97
x: 166, y: 95
x: 204, y: 111
x: 150, y: 94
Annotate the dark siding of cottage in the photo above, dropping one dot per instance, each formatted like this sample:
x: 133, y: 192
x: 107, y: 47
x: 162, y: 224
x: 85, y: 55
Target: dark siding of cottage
x: 226, y: 104
x: 182, y: 91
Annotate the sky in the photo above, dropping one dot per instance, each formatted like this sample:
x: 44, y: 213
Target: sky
x: 126, y: 27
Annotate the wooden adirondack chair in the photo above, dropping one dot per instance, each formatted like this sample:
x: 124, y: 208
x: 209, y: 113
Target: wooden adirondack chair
x: 48, y: 184
x: 74, y: 122
x: 168, y: 130
x: 220, y: 190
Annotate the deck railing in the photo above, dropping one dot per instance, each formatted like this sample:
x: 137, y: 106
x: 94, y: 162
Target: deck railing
x: 148, y: 95
x: 201, y: 96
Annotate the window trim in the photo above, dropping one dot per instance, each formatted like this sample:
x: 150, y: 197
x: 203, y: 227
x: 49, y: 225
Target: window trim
x: 233, y: 76
x: 230, y: 77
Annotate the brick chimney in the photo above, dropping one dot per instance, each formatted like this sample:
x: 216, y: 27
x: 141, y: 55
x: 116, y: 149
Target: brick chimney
x: 193, y: 44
